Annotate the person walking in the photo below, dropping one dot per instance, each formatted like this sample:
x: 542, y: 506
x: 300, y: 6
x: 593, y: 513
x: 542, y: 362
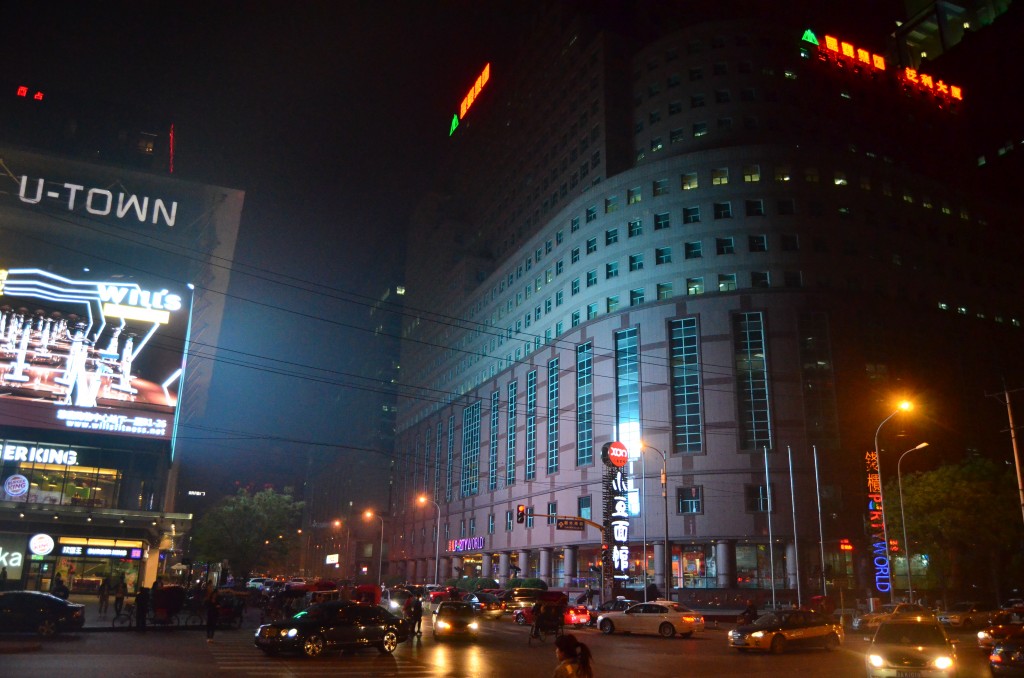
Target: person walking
x: 104, y: 591
x: 120, y: 591
x: 3, y: 579
x: 574, y: 658
x: 212, y: 603
x: 141, y: 609
x: 416, y: 614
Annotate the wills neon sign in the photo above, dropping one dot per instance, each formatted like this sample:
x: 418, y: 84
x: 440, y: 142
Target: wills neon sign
x: 876, y: 522
x: 470, y: 97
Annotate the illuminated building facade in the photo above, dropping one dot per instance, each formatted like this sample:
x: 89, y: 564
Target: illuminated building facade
x: 109, y: 279
x: 731, y: 242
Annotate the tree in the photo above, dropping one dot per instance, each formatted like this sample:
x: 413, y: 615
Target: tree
x: 964, y: 517
x: 249, y: 531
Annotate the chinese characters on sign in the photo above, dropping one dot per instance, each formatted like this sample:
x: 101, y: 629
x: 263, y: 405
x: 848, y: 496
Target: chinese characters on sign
x: 930, y: 84
x: 876, y: 524
x: 470, y: 97
x: 855, y: 53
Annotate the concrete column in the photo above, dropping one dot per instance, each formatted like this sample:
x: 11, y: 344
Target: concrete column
x: 486, y: 567
x: 503, y: 562
x: 569, y: 566
x: 444, y: 573
x: 791, y: 565
x: 659, y: 568
x: 545, y: 565
x: 524, y: 563
x: 456, y: 562
x: 725, y: 561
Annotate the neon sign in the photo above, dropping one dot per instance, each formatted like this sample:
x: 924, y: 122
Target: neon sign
x: 460, y: 545
x: 22, y: 91
x: 926, y: 82
x: 857, y: 54
x: 876, y: 521
x: 618, y: 483
x: 470, y: 97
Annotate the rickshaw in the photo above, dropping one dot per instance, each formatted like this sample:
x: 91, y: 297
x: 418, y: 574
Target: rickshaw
x: 548, y: 616
x: 166, y: 602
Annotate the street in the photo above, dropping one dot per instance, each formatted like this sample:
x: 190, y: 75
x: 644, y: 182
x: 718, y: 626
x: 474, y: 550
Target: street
x: 501, y: 651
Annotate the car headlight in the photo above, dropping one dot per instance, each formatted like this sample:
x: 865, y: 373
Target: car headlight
x: 291, y: 633
x: 443, y: 625
x: 474, y: 626
x: 394, y: 603
x: 983, y: 636
x: 757, y: 634
x: 943, y: 663
x: 876, y: 661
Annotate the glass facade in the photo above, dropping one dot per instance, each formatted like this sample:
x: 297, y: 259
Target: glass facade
x: 553, y: 416
x: 627, y: 403
x: 585, y: 404
x: 751, y: 363
x: 531, y: 425
x: 450, y: 460
x: 510, y: 439
x: 687, y: 436
x: 492, y: 445
x: 470, y: 484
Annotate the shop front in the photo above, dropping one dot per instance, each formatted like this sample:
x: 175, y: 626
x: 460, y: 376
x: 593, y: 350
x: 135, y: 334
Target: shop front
x: 34, y: 561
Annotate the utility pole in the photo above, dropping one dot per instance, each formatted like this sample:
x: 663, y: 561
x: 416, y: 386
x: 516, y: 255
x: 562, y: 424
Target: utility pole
x: 1005, y: 399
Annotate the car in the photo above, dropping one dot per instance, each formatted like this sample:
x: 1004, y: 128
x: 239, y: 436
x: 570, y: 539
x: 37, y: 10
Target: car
x: 338, y: 624
x: 910, y: 647
x: 393, y: 600
x: 871, y: 620
x: 1007, y: 656
x: 988, y: 637
x: 521, y: 598
x: 416, y: 590
x: 40, y: 612
x: 575, y: 615
x: 779, y: 630
x: 1011, y: 610
x: 488, y: 605
x: 967, y: 615
x: 617, y: 605
x: 296, y: 582
x: 453, y: 618
x: 255, y: 583
x: 664, y: 617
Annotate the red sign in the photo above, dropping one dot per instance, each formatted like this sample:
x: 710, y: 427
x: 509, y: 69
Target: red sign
x: 618, y: 455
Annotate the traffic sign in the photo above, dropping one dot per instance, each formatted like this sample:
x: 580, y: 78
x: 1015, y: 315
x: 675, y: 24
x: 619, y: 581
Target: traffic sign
x: 575, y: 524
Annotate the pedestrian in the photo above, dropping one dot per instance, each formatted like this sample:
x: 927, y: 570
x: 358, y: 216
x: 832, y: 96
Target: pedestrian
x: 3, y: 579
x: 416, y: 614
x: 749, y: 613
x: 590, y: 596
x: 573, y: 658
x: 59, y: 588
x: 141, y: 609
x: 120, y: 591
x: 212, y: 603
x: 158, y: 584
x: 104, y: 591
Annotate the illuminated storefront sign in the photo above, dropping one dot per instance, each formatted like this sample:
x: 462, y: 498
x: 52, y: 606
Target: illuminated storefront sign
x: 470, y: 544
x: 618, y: 484
x: 12, y: 555
x: 41, y: 545
x: 926, y: 82
x: 119, y: 552
x: 857, y: 54
x: 98, y: 201
x: 39, y: 455
x: 331, y: 559
x: 16, y: 485
x: 470, y: 97
x: 876, y: 523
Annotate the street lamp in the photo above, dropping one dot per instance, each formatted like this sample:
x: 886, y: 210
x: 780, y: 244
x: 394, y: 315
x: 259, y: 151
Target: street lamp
x: 664, y: 493
x: 903, y: 519
x: 422, y: 500
x: 904, y: 406
x: 380, y: 551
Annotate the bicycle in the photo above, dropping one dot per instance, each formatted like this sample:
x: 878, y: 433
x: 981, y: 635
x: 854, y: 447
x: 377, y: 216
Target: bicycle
x: 125, y: 617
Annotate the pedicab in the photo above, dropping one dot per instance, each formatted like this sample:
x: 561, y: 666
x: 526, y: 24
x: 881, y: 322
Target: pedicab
x: 166, y: 602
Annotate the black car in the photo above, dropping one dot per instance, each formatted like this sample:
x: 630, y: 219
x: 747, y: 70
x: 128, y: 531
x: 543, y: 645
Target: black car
x: 1007, y: 657
x: 455, y: 619
x: 338, y: 624
x: 40, y: 612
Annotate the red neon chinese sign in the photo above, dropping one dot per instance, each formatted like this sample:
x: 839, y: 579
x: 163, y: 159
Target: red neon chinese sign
x: 474, y: 91
x: 22, y: 91
x: 853, y: 53
x: 926, y: 82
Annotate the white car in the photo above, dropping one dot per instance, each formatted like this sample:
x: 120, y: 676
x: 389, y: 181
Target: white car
x: 967, y: 615
x: 664, y: 617
x: 255, y: 582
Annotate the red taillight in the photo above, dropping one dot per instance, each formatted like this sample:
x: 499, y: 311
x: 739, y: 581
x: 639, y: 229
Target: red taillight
x: 995, y: 658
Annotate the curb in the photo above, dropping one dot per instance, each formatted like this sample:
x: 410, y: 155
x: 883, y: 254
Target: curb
x: 18, y: 648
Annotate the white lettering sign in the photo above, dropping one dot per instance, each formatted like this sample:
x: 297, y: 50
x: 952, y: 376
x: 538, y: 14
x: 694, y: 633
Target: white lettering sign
x: 40, y: 455
x: 100, y: 201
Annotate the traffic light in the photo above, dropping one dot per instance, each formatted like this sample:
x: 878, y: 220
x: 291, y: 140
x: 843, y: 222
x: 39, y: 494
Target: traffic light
x: 521, y: 513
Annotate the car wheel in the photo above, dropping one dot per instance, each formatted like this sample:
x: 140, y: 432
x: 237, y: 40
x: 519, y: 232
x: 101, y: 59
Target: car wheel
x: 666, y: 630
x: 46, y: 627
x: 390, y: 642
x: 520, y: 618
x: 831, y: 642
x: 778, y: 645
x: 313, y: 646
x: 607, y: 626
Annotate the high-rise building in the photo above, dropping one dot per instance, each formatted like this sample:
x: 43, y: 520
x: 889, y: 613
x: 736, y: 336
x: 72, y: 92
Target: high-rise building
x: 730, y: 245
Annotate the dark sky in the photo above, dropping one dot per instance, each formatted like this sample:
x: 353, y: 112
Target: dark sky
x: 331, y: 116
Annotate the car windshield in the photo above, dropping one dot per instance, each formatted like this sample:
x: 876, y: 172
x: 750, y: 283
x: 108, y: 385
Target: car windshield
x: 768, y: 619
x: 486, y: 598
x: 961, y: 607
x: 909, y: 608
x: 456, y: 610
x: 676, y: 607
x: 910, y: 634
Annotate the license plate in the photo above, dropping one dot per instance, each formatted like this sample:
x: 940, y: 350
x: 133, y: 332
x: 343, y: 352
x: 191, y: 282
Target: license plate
x: 908, y: 674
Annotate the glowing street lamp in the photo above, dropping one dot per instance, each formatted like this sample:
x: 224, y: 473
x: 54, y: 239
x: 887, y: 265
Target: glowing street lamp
x: 903, y: 519
x: 380, y: 551
x: 904, y: 406
x: 422, y: 500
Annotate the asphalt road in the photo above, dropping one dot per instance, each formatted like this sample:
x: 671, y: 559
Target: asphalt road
x: 501, y: 651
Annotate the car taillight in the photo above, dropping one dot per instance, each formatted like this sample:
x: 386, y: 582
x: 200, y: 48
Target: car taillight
x: 995, y: 658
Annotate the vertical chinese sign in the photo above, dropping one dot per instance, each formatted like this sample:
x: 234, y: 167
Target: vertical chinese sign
x: 876, y: 525
x: 616, y: 484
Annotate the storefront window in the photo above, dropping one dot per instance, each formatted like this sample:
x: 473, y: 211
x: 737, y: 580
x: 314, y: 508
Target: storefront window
x: 753, y: 566
x: 695, y: 567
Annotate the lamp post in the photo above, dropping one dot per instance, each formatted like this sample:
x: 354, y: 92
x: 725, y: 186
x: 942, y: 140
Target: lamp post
x: 903, y: 519
x: 380, y: 551
x: 423, y: 499
x: 904, y: 406
x: 664, y: 493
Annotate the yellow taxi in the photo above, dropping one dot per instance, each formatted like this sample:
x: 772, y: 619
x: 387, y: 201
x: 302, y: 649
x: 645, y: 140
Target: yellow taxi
x: 777, y: 631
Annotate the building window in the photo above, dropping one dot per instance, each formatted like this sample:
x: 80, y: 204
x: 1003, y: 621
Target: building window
x: 755, y: 208
x: 559, y: 297
x: 751, y: 380
x: 675, y: 135
x: 559, y: 266
x: 690, y: 499
x: 660, y: 187
x: 591, y: 214
x: 574, y: 225
x: 688, y: 181
x: 552, y: 417
x: 696, y: 74
x: 692, y: 250
x: 790, y: 242
x: 755, y: 498
x: 574, y: 286
x: 492, y: 451
x: 839, y: 178
x: 657, y: 144
x: 723, y: 210
x: 634, y: 195
x: 634, y: 228
x: 724, y: 123
x: 510, y: 436
x: 627, y: 388
x: 721, y: 96
x: 611, y: 236
x: 508, y: 521
x: 691, y: 215
x: 783, y: 173
x: 725, y: 246
x: 787, y: 206
x: 612, y: 304
x: 654, y: 116
x: 574, y: 255
x: 700, y: 129
x: 591, y: 311
x: 686, y: 396
x: 531, y: 425
x: 695, y: 285
x: 751, y: 173
x: 591, y: 245
x: 811, y: 175
x: 591, y: 278
x: 719, y: 68
x: 636, y: 262
x: 720, y: 176
x: 450, y: 459
x: 726, y: 282
x: 662, y: 255
x: 758, y: 242
x: 470, y: 480
x: 574, y: 319
x: 793, y: 279
x: 636, y: 297
x: 611, y: 204
x: 584, y: 508
x: 697, y: 101
x: 552, y: 512
x: 661, y: 220
x: 759, y: 279
x: 584, y: 404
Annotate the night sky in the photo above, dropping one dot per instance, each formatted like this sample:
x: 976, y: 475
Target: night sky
x: 331, y: 117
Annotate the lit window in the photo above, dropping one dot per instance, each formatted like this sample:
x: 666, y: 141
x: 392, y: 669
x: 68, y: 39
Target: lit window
x: 751, y: 173
x: 611, y: 204
x: 657, y: 144
x: 634, y: 195
x: 689, y: 181
x: 720, y: 176
x: 839, y: 179
x: 783, y: 173
x: 726, y: 282
x: 695, y: 285
x: 700, y: 129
